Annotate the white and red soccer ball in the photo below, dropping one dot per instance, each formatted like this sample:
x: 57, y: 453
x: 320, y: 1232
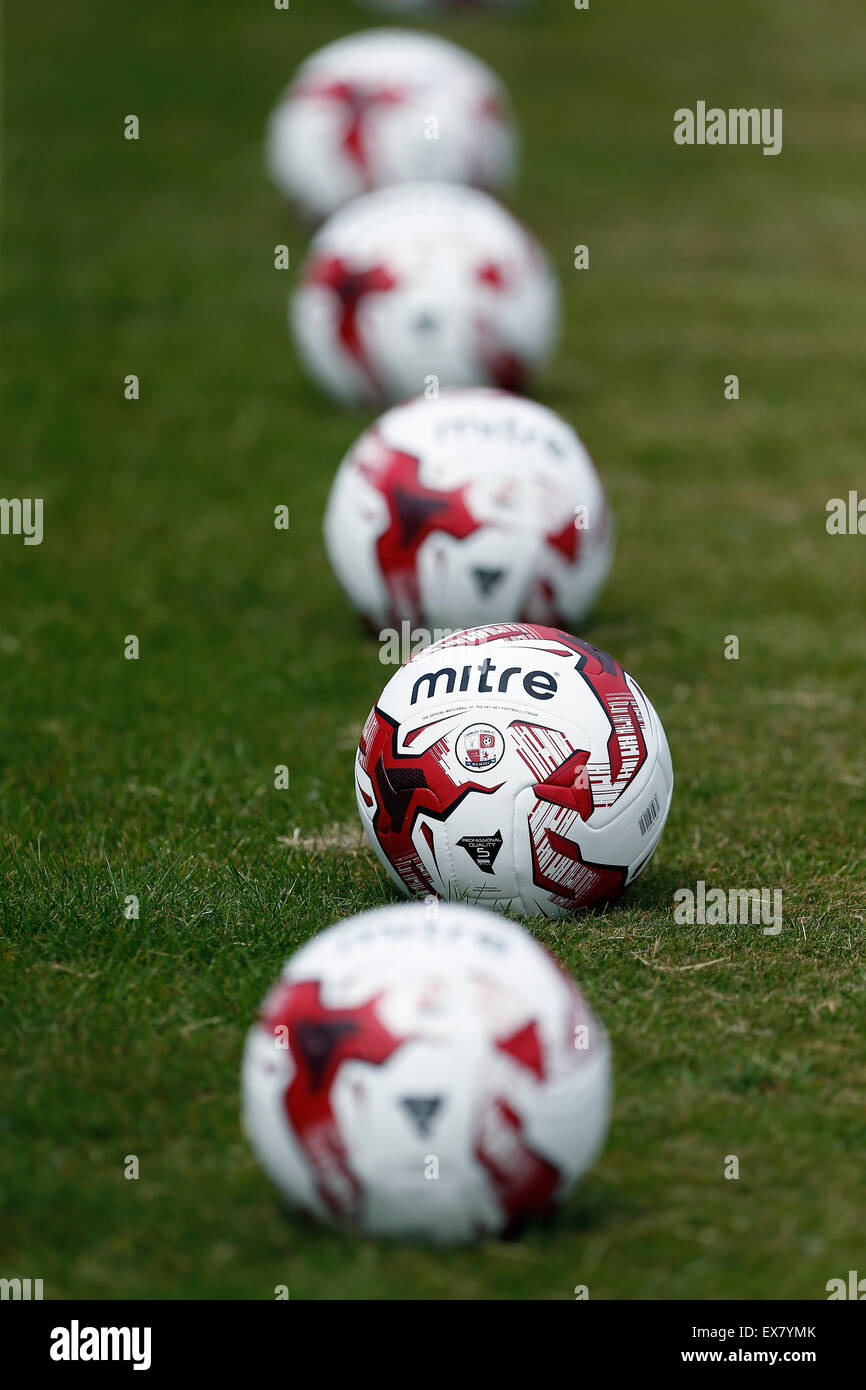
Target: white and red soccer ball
x: 388, y: 106
x: 421, y: 287
x: 475, y: 507
x: 514, y: 767
x: 425, y: 1072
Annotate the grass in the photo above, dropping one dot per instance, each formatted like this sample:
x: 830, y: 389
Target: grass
x: 155, y: 777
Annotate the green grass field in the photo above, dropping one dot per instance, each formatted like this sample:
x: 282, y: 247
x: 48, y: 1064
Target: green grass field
x: 155, y: 777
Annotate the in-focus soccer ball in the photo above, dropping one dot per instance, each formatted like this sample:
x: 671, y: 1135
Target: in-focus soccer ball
x: 425, y: 1072
x: 419, y: 287
x: 478, y: 506
x: 388, y: 106
x: 514, y: 766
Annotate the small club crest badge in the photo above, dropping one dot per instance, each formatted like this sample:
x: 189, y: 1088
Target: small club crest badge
x: 480, y: 747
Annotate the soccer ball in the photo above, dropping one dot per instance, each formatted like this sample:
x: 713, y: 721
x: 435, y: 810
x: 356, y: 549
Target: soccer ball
x: 425, y: 1073
x: 477, y: 506
x: 514, y: 766
x: 388, y: 106
x: 422, y: 286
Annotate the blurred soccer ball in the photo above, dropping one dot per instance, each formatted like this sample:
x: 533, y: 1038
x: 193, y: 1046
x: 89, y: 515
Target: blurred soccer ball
x: 475, y: 507
x: 388, y: 106
x: 514, y: 766
x: 425, y: 1072
x: 420, y: 287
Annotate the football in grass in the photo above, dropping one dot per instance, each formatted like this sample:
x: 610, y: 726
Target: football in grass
x: 514, y: 767
x: 479, y: 506
x: 420, y: 287
x: 388, y: 106
x: 426, y: 1072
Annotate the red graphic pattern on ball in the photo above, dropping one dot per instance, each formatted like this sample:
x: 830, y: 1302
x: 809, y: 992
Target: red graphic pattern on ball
x: 524, y: 1182
x: 626, y: 746
x: 350, y: 286
x: 406, y: 785
x: 558, y: 866
x: 524, y: 1047
x: 320, y: 1041
x: 357, y: 101
x: 415, y: 512
x: 567, y: 540
x: 571, y: 791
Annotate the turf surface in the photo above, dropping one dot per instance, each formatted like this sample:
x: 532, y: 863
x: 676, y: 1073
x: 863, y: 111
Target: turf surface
x: 155, y: 777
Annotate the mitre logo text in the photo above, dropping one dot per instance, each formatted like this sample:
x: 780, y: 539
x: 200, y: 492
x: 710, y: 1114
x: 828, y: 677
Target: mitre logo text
x: 508, y: 431
x: 538, y: 685
x: 76, y: 1343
